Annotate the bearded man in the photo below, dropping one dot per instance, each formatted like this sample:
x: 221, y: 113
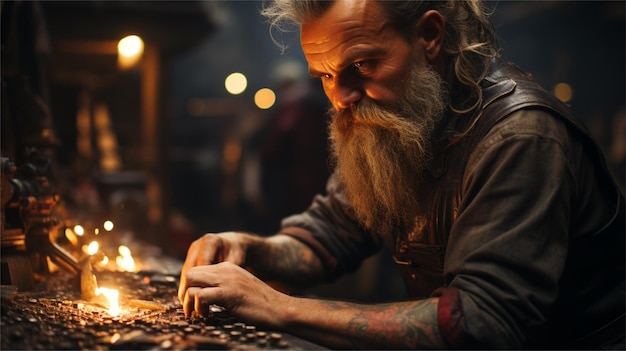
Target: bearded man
x: 492, y: 198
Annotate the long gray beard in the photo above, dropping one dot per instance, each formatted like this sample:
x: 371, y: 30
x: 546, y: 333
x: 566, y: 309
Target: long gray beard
x: 381, y: 154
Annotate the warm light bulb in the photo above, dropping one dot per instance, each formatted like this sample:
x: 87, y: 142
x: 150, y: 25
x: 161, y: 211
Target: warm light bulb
x: 129, y: 51
x: 130, y: 46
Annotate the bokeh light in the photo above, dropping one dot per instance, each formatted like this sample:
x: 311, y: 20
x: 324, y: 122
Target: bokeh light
x: 264, y: 98
x: 93, y: 248
x: 108, y: 226
x: 79, y: 230
x: 236, y: 83
x: 563, y: 92
x: 130, y: 46
x: 129, y: 51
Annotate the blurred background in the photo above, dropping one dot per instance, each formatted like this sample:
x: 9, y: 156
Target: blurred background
x: 197, y: 122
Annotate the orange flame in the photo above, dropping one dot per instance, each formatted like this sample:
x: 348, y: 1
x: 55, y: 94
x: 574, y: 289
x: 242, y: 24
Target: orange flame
x: 113, y: 296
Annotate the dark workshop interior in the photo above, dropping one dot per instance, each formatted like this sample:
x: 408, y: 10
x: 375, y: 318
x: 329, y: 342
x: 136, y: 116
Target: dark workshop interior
x: 150, y: 152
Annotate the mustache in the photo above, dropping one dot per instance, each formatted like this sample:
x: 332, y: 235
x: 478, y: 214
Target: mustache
x: 367, y: 113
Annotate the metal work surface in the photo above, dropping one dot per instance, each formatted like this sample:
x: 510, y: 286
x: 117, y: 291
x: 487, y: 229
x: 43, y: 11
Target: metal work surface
x: 55, y: 316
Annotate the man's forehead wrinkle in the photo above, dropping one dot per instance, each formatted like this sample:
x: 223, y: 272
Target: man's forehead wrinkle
x: 358, y: 23
x: 344, y: 29
x: 354, y: 34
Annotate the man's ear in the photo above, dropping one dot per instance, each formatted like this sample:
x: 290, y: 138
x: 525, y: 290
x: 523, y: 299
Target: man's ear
x: 430, y: 33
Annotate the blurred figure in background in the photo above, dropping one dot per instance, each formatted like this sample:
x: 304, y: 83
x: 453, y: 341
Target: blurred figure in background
x: 294, y: 156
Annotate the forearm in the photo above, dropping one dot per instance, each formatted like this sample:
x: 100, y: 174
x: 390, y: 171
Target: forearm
x: 398, y: 325
x: 284, y: 259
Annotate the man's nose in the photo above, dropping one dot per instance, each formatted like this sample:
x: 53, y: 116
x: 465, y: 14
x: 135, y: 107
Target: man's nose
x: 345, y: 95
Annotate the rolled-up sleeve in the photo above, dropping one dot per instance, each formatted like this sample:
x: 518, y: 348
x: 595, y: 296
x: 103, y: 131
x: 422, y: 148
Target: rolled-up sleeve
x: 328, y: 227
x: 508, y: 246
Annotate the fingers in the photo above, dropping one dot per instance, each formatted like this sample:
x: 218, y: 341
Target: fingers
x: 187, y: 301
x: 199, y: 276
x: 199, y: 290
x: 211, y: 249
x: 229, y: 286
x: 206, y: 250
x: 191, y: 257
x: 197, y: 299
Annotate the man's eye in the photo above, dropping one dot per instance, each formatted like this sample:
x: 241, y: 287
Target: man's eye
x: 326, y: 76
x: 363, y: 67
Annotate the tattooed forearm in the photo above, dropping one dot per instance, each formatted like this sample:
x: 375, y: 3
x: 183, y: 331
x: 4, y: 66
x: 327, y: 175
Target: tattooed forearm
x: 288, y: 260
x: 400, y: 325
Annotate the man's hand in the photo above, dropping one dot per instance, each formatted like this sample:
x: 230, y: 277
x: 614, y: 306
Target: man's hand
x: 215, y: 248
x: 213, y: 274
x: 336, y: 324
x: 229, y: 286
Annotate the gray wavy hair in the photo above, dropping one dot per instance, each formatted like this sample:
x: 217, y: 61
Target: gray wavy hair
x: 469, y: 45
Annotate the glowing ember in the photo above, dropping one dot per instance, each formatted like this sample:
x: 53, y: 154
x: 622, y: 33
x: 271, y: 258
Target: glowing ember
x: 113, y: 296
x: 79, y: 230
x: 125, y: 261
x: 124, y: 250
x: 71, y: 236
x: 108, y: 226
x: 93, y: 247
